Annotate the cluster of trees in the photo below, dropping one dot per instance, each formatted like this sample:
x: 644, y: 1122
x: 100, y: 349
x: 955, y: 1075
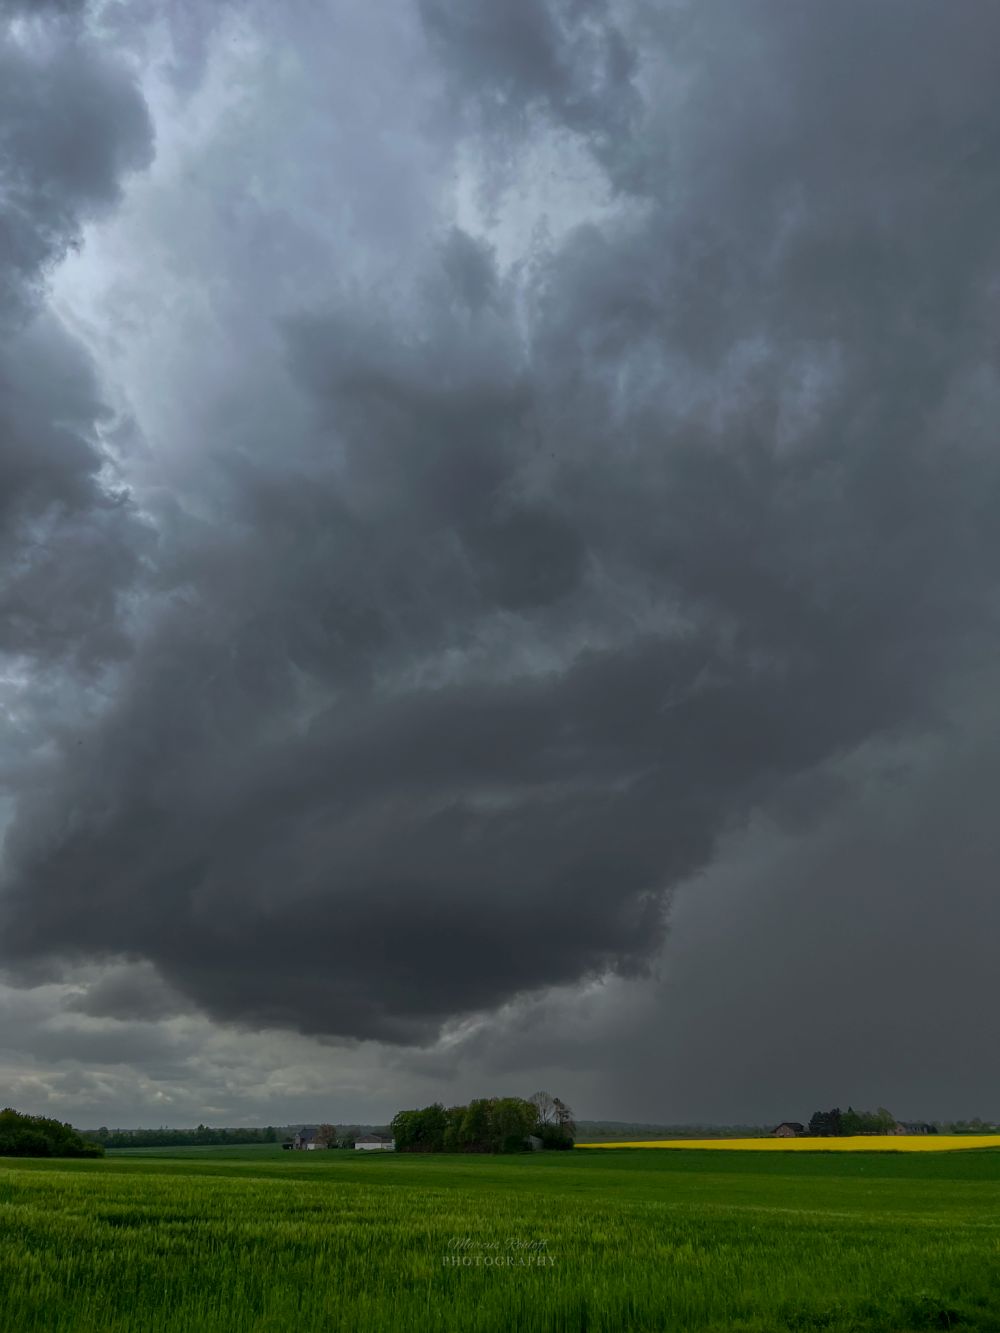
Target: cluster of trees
x: 488, y: 1124
x: 35, y: 1136
x: 838, y: 1123
x: 179, y: 1138
x: 555, y: 1125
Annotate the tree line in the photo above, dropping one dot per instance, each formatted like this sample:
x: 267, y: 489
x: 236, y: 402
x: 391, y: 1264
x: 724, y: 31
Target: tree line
x: 335, y: 1136
x: 841, y: 1124
x: 179, y: 1138
x: 37, y: 1136
x: 486, y: 1125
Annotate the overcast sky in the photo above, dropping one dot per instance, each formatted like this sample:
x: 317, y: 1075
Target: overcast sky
x: 499, y: 557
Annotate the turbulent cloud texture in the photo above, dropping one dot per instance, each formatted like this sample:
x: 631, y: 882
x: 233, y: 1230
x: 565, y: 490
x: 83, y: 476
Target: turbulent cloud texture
x: 511, y: 490
x: 71, y: 124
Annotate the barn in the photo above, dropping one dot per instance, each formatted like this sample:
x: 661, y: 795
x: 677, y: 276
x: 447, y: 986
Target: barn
x: 788, y: 1129
x: 306, y: 1139
x: 374, y: 1143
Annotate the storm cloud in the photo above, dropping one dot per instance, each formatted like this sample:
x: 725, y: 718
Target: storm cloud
x: 509, y: 495
x: 71, y: 126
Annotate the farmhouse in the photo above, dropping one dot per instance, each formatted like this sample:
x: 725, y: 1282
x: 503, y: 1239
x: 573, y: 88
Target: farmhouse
x: 306, y: 1139
x: 912, y: 1127
x: 788, y: 1129
x: 374, y: 1142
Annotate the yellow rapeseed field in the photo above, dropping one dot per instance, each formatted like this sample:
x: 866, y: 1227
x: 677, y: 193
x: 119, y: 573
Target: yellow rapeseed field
x: 859, y: 1143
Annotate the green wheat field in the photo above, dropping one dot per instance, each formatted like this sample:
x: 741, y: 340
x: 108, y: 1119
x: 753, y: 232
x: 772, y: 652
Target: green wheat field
x: 260, y: 1239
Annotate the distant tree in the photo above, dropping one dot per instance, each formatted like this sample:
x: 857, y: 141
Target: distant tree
x: 554, y: 1136
x: 453, y: 1131
x: 545, y: 1105
x: 327, y: 1135
x: 37, y: 1136
x: 885, y: 1120
x: 178, y: 1138
x: 825, y: 1124
x: 851, y: 1122
x: 475, y: 1131
x: 512, y: 1120
x: 564, y: 1116
x: 420, y: 1131
x: 554, y: 1123
x: 487, y: 1124
x: 405, y: 1130
x: 433, y: 1127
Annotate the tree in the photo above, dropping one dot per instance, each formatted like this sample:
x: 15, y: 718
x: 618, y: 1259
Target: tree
x: 327, y: 1135
x: 434, y: 1124
x: 474, y: 1135
x: 545, y: 1105
x: 885, y: 1120
x: 404, y: 1130
x: 513, y: 1119
x: 850, y: 1122
x: 453, y: 1133
x: 554, y: 1136
x: 564, y: 1117
x: 37, y: 1136
x: 825, y: 1124
x: 420, y: 1131
x: 554, y: 1124
x: 487, y: 1124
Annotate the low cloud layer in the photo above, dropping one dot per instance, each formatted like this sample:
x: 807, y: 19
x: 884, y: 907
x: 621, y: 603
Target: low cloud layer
x: 469, y: 516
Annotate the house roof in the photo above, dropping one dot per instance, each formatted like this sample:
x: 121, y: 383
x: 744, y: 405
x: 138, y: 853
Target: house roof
x: 371, y: 1138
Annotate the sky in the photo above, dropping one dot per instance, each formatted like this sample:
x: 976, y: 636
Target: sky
x: 498, y: 557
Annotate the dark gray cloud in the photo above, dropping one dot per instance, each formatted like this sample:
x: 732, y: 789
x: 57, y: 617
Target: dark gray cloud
x: 69, y: 543
x: 136, y: 993
x: 546, y: 576
x: 566, y: 58
x: 72, y: 125
x: 43, y: 8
